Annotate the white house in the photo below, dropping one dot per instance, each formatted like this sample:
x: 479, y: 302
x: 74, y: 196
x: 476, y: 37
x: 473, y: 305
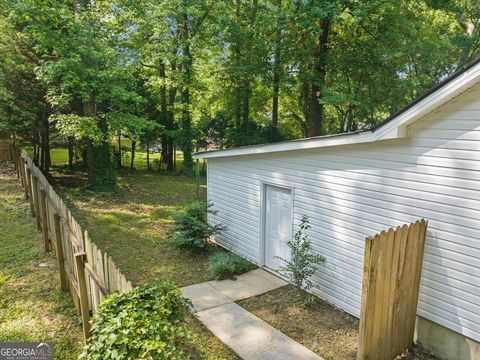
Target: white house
x: 424, y: 162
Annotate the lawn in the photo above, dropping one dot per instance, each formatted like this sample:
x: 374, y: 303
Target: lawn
x: 59, y: 157
x: 130, y: 225
x: 32, y: 307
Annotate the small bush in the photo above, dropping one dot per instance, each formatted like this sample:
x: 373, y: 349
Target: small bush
x: 225, y: 265
x: 146, y: 323
x: 303, y: 263
x: 192, y: 230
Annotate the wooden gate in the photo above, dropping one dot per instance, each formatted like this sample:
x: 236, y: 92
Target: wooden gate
x: 391, y: 281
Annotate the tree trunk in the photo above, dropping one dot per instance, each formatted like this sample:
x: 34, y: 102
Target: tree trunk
x: 41, y: 151
x: 246, y: 92
x: 168, y: 150
x: 46, y: 160
x: 174, y: 158
x: 316, y: 108
x: 148, y: 156
x: 132, y: 158
x: 276, y: 66
x: 170, y: 126
x: 36, y: 142
x: 100, y: 168
x: 163, y: 112
x: 187, y: 145
x: 237, y: 60
x: 276, y: 92
x: 119, y: 139
x: 70, y: 153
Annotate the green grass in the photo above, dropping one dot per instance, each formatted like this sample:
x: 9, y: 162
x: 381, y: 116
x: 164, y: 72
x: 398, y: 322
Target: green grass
x: 130, y: 225
x: 32, y: 307
x: 59, y: 157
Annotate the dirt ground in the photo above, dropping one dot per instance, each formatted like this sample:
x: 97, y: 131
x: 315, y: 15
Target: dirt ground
x: 319, y: 326
x: 329, y: 332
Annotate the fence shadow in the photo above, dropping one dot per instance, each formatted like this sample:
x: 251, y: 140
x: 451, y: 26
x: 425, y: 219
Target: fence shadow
x: 86, y: 271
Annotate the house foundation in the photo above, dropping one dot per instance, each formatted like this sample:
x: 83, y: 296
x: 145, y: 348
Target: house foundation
x: 445, y: 343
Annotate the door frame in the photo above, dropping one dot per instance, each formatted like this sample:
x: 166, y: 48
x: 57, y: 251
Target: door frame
x: 263, y: 214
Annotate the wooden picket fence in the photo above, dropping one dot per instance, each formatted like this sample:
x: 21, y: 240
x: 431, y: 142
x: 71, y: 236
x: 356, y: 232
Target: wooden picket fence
x: 86, y: 271
x: 391, y: 281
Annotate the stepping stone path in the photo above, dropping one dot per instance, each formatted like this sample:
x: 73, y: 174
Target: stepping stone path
x: 248, y: 336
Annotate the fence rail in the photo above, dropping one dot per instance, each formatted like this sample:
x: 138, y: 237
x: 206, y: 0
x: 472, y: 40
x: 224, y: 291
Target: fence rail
x: 86, y: 271
x: 391, y: 281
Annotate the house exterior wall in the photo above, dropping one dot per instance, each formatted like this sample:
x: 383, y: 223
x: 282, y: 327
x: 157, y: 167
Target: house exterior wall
x: 351, y: 192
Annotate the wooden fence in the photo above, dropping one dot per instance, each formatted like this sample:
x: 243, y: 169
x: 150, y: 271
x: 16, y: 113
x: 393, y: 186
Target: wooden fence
x: 85, y: 270
x: 391, y: 281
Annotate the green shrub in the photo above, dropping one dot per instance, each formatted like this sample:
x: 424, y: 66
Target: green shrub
x: 192, y: 230
x: 225, y: 265
x: 146, y: 323
x: 303, y: 263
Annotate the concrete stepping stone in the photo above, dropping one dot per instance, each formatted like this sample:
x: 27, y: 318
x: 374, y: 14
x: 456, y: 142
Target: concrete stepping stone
x: 204, y: 296
x: 247, y: 335
x: 215, y: 293
x: 250, y: 337
x: 250, y: 284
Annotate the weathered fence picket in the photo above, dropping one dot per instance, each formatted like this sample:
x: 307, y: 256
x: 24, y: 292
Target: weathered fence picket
x: 391, y: 281
x: 88, y: 272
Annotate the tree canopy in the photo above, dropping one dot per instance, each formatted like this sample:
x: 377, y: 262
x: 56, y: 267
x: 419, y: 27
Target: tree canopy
x: 192, y: 74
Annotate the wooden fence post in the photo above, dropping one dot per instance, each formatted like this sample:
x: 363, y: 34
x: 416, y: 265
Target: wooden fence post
x: 82, y: 289
x: 367, y: 296
x: 23, y: 175
x: 43, y: 206
x: 16, y: 159
x: 88, y: 279
x: 30, y: 190
x: 36, y: 201
x: 20, y: 163
x: 60, y: 254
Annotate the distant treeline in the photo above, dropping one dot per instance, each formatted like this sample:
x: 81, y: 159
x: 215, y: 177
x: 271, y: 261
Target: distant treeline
x: 217, y: 73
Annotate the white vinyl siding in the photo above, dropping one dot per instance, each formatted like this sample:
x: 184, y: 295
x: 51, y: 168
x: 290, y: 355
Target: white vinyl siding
x: 353, y: 191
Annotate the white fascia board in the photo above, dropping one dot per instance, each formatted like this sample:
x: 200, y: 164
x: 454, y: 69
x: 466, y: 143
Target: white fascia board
x: 355, y: 138
x: 395, y: 128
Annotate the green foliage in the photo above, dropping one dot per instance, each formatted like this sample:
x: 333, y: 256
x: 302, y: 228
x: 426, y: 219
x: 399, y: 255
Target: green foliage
x: 224, y: 265
x: 204, y: 73
x: 146, y: 323
x: 192, y: 230
x: 101, y: 174
x: 303, y: 263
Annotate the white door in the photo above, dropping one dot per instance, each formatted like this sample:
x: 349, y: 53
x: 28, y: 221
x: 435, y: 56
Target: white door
x: 278, y: 225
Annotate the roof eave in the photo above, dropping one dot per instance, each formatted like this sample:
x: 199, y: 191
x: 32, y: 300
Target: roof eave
x: 395, y: 127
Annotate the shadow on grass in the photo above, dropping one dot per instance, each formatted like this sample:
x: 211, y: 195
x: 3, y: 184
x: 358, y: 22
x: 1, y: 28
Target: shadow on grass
x: 130, y: 224
x: 32, y: 307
